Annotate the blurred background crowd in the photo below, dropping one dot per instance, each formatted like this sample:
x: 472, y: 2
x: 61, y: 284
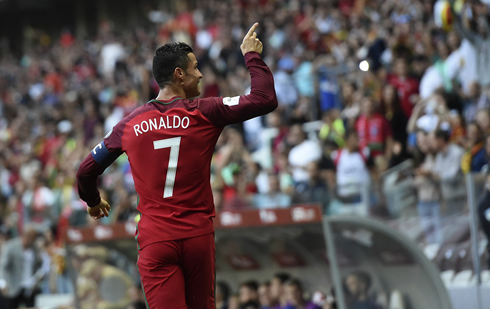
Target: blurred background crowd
x: 362, y: 85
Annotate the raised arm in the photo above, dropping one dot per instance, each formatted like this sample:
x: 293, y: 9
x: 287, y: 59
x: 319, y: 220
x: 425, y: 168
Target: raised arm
x: 262, y: 98
x: 459, y: 27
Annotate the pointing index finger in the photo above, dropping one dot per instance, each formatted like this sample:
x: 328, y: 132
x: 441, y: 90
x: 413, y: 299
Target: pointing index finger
x: 252, y: 29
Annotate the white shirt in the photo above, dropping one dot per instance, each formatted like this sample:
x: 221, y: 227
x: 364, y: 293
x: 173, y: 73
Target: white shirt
x: 109, y: 55
x: 447, y: 164
x: 299, y: 157
x: 351, y: 171
x: 430, y: 82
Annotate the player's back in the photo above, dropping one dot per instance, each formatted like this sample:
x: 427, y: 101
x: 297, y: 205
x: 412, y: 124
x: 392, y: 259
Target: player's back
x: 170, y: 145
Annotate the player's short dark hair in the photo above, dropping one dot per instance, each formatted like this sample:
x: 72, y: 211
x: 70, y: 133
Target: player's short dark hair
x: 251, y: 284
x: 442, y: 134
x: 167, y: 58
x: 283, y: 277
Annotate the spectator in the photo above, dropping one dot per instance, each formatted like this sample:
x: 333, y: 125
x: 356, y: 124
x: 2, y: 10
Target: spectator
x: 248, y: 294
x: 313, y: 191
x: 447, y: 170
x: 38, y: 200
x: 352, y: 171
x: 357, y: 287
x: 428, y: 191
x: 480, y: 39
x: 487, y: 154
x: 95, y: 270
x: 303, y: 152
x: 374, y: 131
x: 391, y: 109
x: 274, y: 198
x: 474, y: 158
x: 474, y: 101
x: 277, y: 294
x: 427, y: 114
x: 293, y: 290
x: 458, y: 131
x: 351, y: 103
x: 483, y: 120
x: 333, y: 128
x: 406, y: 86
x: 233, y: 302
x: 264, y: 295
x: 442, y: 66
x: 233, y: 173
x: 274, y: 121
x: 327, y: 166
x: 21, y: 270
x: 222, y: 295
x: 287, y: 95
x: 484, y: 214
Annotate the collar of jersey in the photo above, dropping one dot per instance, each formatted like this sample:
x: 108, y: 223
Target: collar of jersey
x: 165, y: 103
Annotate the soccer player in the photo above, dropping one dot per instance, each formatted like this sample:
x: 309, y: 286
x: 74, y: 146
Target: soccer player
x: 169, y: 142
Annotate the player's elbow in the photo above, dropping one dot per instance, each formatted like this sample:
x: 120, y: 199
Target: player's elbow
x: 272, y: 103
x: 269, y: 99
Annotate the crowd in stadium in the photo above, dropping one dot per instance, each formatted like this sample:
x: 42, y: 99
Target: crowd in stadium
x: 425, y: 95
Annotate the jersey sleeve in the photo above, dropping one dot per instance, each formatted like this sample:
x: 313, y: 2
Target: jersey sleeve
x: 103, y: 155
x: 261, y: 100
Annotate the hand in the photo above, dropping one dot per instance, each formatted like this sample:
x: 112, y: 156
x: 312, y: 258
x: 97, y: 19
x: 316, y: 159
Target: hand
x: 99, y: 211
x: 250, y: 42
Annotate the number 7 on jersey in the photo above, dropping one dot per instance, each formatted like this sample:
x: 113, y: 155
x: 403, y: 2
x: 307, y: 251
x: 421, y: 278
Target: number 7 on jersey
x: 174, y: 144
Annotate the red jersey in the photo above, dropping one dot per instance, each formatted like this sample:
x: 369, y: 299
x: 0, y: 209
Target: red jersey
x: 170, y: 145
x: 405, y: 88
x: 373, y: 133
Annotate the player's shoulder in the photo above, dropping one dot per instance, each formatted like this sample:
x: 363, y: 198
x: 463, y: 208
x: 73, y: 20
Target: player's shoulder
x: 138, y: 111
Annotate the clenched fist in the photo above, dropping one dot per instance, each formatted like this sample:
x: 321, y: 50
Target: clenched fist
x: 250, y: 41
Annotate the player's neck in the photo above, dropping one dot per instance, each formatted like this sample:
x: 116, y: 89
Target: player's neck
x: 169, y: 92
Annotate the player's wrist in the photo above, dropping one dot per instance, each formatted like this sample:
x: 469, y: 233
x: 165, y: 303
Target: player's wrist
x: 94, y: 203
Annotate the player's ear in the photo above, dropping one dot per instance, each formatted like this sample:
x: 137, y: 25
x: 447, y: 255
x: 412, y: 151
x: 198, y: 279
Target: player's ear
x: 178, y: 74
